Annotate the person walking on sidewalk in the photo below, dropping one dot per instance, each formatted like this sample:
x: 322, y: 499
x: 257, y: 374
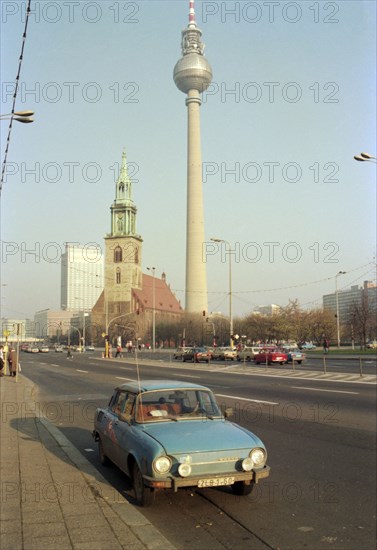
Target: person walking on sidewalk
x: 12, y: 362
x: 2, y: 362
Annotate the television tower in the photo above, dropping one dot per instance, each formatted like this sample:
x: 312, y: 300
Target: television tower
x: 192, y: 76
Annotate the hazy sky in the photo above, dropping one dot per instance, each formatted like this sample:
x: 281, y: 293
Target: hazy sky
x: 293, y: 99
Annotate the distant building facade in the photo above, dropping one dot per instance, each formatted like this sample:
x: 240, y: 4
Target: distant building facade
x: 13, y: 329
x: 347, y: 298
x: 49, y: 323
x: 271, y: 309
x: 81, y: 277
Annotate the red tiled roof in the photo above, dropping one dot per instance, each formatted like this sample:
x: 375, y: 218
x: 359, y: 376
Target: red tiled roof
x: 164, y: 297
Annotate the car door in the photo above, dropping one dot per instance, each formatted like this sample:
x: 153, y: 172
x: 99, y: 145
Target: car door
x: 124, y: 429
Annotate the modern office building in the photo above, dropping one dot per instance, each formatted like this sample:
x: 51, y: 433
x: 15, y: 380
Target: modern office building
x: 81, y: 277
x: 347, y: 298
x: 192, y: 76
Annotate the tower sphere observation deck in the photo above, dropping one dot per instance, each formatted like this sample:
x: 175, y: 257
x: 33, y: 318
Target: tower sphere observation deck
x: 192, y: 72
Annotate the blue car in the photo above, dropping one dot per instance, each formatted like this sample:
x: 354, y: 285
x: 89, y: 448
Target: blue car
x: 165, y: 434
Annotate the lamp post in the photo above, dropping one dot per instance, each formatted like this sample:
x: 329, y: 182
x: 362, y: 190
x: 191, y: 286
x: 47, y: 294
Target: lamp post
x: 337, y: 305
x: 216, y: 240
x: 365, y: 157
x: 153, y: 269
x: 19, y: 116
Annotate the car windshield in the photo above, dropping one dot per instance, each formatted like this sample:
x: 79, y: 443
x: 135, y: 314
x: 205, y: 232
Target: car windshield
x: 174, y: 405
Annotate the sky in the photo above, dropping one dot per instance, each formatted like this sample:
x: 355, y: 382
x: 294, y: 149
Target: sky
x: 293, y: 99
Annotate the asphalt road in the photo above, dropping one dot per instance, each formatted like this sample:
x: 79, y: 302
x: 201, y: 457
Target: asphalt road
x: 320, y: 436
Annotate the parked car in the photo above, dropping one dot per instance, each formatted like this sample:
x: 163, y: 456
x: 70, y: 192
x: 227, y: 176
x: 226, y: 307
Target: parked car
x: 167, y: 434
x: 229, y: 354
x: 248, y: 353
x: 90, y: 348
x: 196, y: 355
x: 372, y: 345
x: 307, y: 346
x: 294, y: 355
x: 271, y: 355
x: 179, y: 352
x: 59, y: 349
x: 217, y: 353
x: 43, y: 349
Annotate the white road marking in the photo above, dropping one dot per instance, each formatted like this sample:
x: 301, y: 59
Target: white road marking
x: 78, y: 370
x: 122, y: 378
x: 89, y: 450
x: 321, y: 389
x: 246, y: 399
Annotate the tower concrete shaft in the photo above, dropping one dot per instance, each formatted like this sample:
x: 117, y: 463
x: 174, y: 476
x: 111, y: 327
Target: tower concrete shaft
x: 192, y: 75
x: 196, y: 298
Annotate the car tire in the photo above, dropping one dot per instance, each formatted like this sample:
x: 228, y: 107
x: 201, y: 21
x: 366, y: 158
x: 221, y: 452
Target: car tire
x: 143, y: 494
x: 240, y: 488
x: 299, y: 362
x: 104, y: 460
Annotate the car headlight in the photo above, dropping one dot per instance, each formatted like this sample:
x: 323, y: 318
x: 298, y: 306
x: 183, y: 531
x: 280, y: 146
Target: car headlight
x: 184, y: 470
x: 247, y: 464
x: 258, y: 456
x: 162, y: 464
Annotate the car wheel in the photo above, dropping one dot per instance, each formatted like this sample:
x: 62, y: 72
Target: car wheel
x: 299, y: 362
x: 143, y: 494
x: 104, y: 460
x: 240, y: 488
x: 257, y: 362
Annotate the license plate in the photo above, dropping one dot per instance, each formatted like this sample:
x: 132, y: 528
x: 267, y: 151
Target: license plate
x: 216, y: 482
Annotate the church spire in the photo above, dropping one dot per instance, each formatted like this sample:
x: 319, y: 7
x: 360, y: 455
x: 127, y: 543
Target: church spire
x: 123, y: 210
x: 123, y: 190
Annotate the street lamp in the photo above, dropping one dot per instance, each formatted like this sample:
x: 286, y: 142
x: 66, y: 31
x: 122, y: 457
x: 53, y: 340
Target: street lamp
x: 337, y: 305
x: 216, y: 240
x: 19, y: 116
x: 365, y: 157
x: 153, y: 269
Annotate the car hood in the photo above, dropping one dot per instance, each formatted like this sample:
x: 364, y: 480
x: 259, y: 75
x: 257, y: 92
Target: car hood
x: 201, y: 435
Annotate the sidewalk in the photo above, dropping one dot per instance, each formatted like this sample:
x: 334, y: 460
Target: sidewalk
x: 51, y: 496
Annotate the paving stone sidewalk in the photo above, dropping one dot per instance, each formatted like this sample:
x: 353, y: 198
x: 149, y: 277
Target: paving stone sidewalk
x: 51, y: 496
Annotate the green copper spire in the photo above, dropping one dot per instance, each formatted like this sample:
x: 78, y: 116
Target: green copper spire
x: 123, y: 210
x: 123, y: 190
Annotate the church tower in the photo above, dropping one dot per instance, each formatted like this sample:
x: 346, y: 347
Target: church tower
x: 123, y: 247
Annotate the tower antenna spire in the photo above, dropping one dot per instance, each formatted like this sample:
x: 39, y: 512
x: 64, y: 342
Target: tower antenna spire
x: 192, y: 19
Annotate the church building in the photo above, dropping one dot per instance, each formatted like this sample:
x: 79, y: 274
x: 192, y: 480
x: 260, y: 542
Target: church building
x: 129, y: 298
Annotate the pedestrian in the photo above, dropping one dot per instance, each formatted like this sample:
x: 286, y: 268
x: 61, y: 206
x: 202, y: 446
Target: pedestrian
x: 12, y: 362
x: 325, y: 345
x: 69, y: 354
x: 119, y: 352
x: 2, y: 362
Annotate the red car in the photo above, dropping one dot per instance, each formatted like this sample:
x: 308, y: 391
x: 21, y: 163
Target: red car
x: 271, y: 355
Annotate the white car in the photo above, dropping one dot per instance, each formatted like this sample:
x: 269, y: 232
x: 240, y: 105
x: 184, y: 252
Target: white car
x: 229, y: 354
x: 248, y: 353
